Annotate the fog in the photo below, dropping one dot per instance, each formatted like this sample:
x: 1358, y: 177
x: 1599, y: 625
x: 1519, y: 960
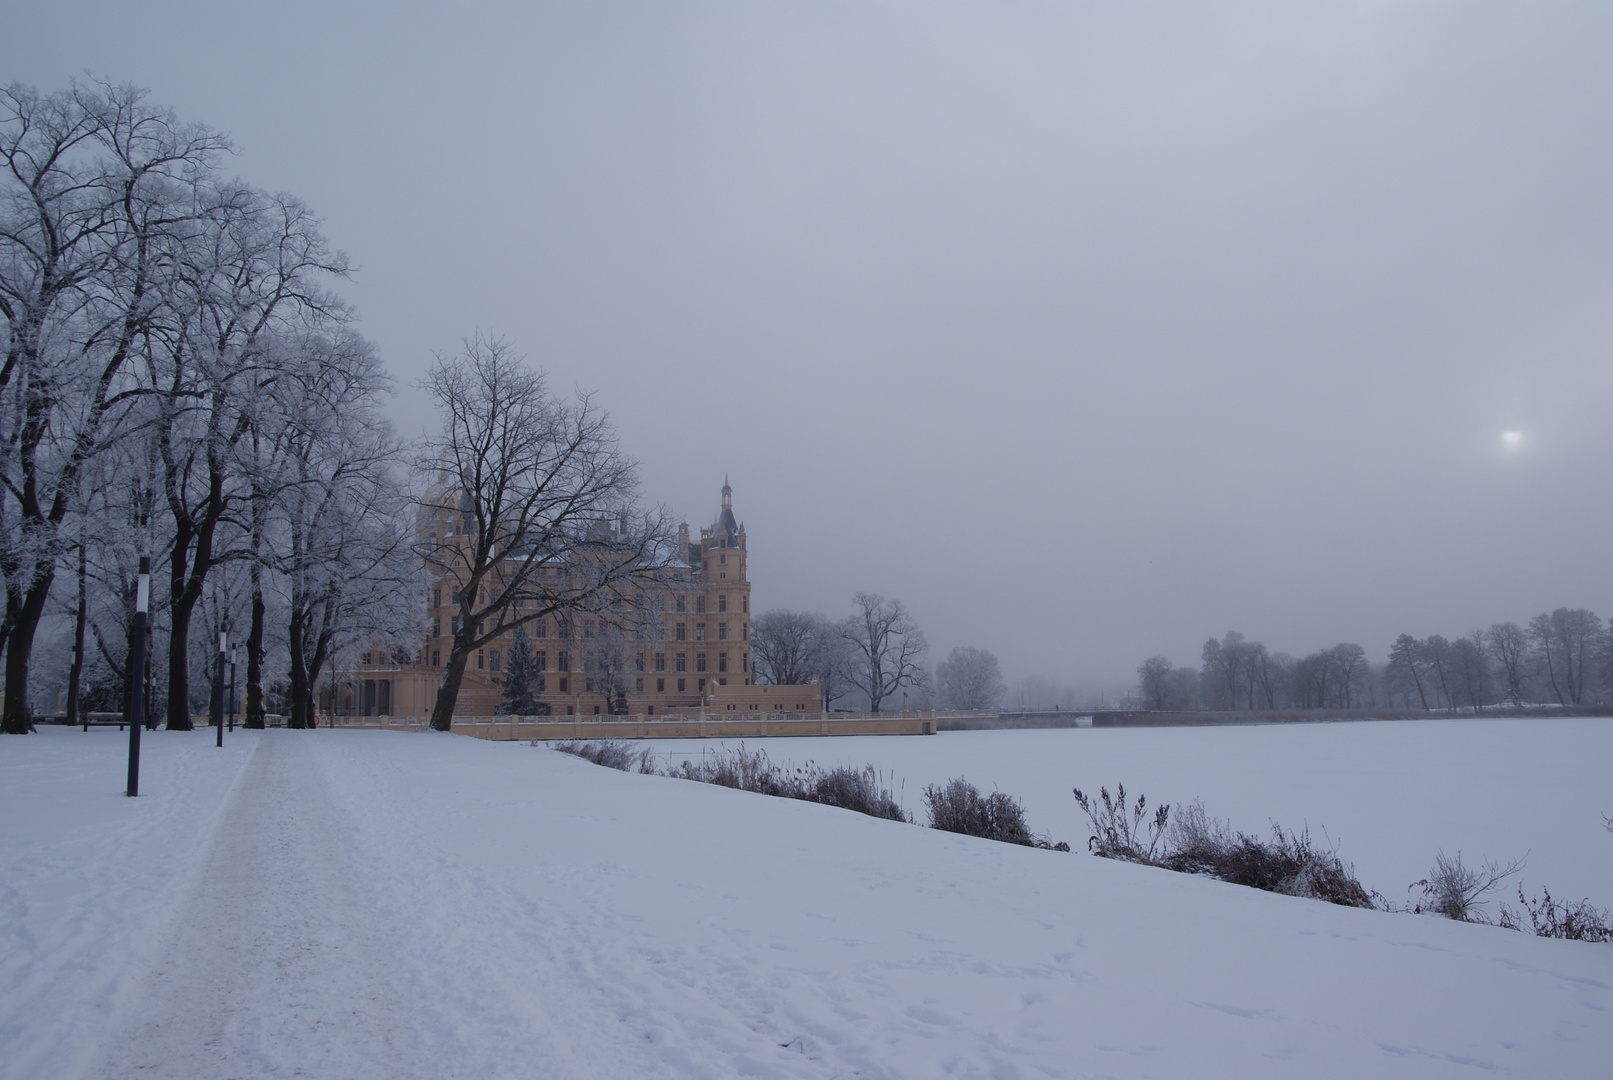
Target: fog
x: 1087, y: 331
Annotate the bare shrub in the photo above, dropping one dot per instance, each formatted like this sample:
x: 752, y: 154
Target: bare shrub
x: 959, y: 807
x: 745, y: 770
x: 1193, y: 842
x: 611, y: 753
x: 1456, y: 890
x: 845, y: 787
x: 1578, y: 921
x: 1118, y: 831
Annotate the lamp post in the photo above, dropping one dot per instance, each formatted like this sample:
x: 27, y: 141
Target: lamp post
x: 218, y: 695
x: 137, y: 664
x: 232, y: 691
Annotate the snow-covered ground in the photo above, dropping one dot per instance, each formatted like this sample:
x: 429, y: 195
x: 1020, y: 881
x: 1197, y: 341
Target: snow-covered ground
x: 374, y: 904
x: 1389, y: 794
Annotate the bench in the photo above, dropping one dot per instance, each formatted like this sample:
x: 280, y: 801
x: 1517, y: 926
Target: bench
x: 103, y: 719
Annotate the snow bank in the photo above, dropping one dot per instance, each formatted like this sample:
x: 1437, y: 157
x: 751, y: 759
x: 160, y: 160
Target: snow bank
x: 1389, y: 794
x: 468, y: 909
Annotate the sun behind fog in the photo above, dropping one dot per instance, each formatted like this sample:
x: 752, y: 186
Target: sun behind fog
x: 1512, y: 439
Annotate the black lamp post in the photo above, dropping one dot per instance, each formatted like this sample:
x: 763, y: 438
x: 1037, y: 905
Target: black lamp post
x: 232, y: 691
x: 137, y: 664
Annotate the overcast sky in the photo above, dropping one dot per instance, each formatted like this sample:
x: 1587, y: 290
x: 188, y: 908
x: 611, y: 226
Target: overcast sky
x: 1089, y: 331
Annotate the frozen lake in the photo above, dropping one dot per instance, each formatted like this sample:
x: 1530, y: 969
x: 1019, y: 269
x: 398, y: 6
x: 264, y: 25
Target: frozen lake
x: 1389, y: 794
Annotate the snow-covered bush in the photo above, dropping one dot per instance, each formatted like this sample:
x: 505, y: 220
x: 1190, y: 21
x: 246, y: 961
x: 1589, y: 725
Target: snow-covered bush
x: 1456, y: 890
x: 1118, y: 831
x: 1578, y: 921
x: 611, y: 753
x: 1193, y: 842
x: 845, y: 787
x: 959, y: 807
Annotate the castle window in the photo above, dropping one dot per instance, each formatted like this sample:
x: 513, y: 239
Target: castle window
x: 453, y: 595
x: 744, y: 631
x: 722, y: 602
x: 680, y: 686
x: 481, y: 660
x: 722, y: 664
x: 679, y: 632
x: 588, y: 628
x: 562, y: 663
x: 436, y: 627
x: 436, y: 596
x: 638, y: 662
x: 700, y: 631
x: 680, y: 663
x: 744, y: 661
x: 540, y: 661
x: 744, y: 605
x: 540, y: 628
x: 679, y: 604
x: 723, y: 558
x: 700, y: 605
x: 660, y: 661
x: 700, y: 661
x: 722, y: 631
x: 365, y: 659
x: 588, y: 684
x: 563, y: 682
x: 660, y: 684
x: 436, y: 658
x: 492, y: 660
x: 702, y: 686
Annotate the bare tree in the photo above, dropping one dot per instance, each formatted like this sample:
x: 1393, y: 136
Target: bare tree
x: 1509, y: 647
x: 531, y: 512
x: 1154, y: 678
x: 886, y: 647
x: 1406, y: 665
x: 970, y: 678
x: 1349, y: 664
x: 1566, y: 642
x: 784, y: 645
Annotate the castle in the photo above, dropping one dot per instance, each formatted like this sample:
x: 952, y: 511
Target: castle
x: 692, y: 653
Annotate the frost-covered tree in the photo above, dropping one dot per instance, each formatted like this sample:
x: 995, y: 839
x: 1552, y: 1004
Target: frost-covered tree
x: 98, y: 196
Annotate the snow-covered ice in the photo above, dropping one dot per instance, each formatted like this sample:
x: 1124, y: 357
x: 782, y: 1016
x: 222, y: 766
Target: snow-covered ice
x: 357, y: 904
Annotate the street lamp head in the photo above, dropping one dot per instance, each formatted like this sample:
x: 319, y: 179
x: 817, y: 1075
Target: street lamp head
x: 142, y: 588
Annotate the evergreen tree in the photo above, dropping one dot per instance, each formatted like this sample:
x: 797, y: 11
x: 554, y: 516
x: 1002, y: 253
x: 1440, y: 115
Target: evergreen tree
x: 518, y: 675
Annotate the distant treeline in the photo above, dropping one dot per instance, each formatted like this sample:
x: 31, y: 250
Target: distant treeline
x: 1562, y: 657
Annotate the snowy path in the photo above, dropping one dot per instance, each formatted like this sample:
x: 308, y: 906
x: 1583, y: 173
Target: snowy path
x: 275, y: 971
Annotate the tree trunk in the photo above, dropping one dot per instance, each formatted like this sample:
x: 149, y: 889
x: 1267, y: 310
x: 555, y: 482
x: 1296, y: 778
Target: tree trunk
x: 300, y: 683
x: 254, y: 655
x: 75, y: 674
x: 183, y: 603
x: 442, y: 711
x: 18, y: 717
